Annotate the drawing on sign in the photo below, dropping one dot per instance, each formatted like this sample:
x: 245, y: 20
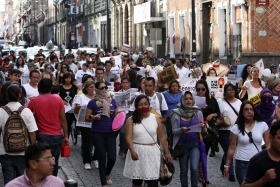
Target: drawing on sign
x: 167, y: 75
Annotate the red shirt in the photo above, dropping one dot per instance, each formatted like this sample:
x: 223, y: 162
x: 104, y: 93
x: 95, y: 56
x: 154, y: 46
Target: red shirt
x: 46, y: 110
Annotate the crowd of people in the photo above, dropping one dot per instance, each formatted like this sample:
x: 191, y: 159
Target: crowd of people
x: 60, y: 88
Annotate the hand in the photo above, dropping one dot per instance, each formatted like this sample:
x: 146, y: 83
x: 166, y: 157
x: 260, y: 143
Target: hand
x: 270, y: 175
x: 78, y: 107
x: 167, y: 157
x: 97, y: 117
x: 65, y: 141
x: 134, y: 156
x: 226, y: 172
x: 185, y: 129
x: 244, y: 88
x: 209, y: 117
x: 65, y: 103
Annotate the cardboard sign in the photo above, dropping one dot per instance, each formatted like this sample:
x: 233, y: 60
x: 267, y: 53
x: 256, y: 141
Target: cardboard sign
x: 260, y: 65
x: 256, y: 99
x: 167, y: 75
x: 216, y: 86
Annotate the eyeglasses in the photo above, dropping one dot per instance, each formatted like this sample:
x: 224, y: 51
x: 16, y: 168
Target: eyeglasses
x: 200, y: 89
x: 250, y: 137
x: 50, y: 159
x: 102, y: 88
x: 144, y: 105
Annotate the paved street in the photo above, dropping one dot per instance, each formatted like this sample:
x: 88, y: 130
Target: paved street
x: 74, y: 169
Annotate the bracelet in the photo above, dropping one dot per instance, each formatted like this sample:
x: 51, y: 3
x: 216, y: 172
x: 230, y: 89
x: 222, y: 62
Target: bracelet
x: 226, y: 166
x: 264, y: 181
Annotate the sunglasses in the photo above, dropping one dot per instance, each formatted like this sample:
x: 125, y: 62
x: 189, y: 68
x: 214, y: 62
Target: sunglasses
x: 200, y: 89
x: 102, y: 88
x: 250, y: 137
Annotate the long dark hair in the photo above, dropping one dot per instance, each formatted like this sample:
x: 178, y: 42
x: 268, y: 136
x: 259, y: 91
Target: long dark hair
x: 17, y: 64
x: 139, y: 85
x: 244, y: 73
x: 227, y: 85
x: 207, y: 95
x: 241, y: 120
x: 135, y: 115
x: 132, y: 78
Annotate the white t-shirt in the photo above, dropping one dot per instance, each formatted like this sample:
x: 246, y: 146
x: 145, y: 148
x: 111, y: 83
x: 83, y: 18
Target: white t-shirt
x: 74, y: 67
x: 244, y: 149
x: 226, y: 110
x: 27, y: 117
x: 116, y: 70
x: 154, y: 103
x: 79, y: 75
x: 184, y: 72
x: 30, y: 91
x: 82, y: 100
x: 82, y: 62
x: 252, y: 90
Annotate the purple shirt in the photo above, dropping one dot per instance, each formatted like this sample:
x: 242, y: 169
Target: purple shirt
x: 104, y: 125
x: 23, y: 181
x: 192, y: 137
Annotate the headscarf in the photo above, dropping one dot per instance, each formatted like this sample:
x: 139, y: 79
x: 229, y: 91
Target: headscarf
x: 160, y: 61
x: 183, y: 110
x: 103, y: 100
x: 265, y: 109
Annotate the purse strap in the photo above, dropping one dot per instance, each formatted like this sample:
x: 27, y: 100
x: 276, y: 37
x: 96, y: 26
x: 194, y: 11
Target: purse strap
x: 252, y: 141
x: 231, y: 106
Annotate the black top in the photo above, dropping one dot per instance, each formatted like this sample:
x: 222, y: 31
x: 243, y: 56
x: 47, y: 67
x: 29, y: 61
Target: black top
x: 68, y: 94
x: 213, y: 107
x: 257, y: 167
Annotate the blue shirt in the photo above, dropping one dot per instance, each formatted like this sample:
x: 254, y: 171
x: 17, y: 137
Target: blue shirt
x: 172, y: 100
x: 104, y: 125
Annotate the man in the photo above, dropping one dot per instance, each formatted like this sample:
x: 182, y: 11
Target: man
x: 40, y: 53
x: 54, y: 61
x: 264, y: 167
x: 107, y: 53
x: 99, y: 73
x: 171, y: 61
x: 50, y: 116
x: 180, y: 69
x: 109, y: 76
x: 61, y: 57
x: 31, y: 88
x: 136, y: 55
x: 69, y: 60
x: 31, y: 66
x: 157, y: 100
x: 273, y: 70
x: 83, y: 59
x: 92, y: 56
x: 39, y: 165
x: 238, y: 61
x: 13, y: 164
x: 63, y: 46
x: 115, y: 53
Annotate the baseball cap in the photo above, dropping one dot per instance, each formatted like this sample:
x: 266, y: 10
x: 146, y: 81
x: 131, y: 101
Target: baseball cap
x: 30, y: 64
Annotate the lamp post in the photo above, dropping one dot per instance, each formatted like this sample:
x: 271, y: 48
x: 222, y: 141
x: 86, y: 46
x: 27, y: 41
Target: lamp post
x: 193, y: 30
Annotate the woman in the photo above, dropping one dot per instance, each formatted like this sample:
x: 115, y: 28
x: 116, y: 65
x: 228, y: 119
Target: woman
x: 21, y: 66
x: 140, y: 62
x: 172, y: 98
x: 246, y: 138
x: 67, y: 92
x: 143, y: 158
x: 226, y: 110
x: 64, y: 70
x: 197, y: 73
x: 185, y: 116
x: 57, y: 70
x: 273, y: 84
x: 253, y: 86
x: 80, y: 73
x: 132, y: 77
x: 245, y: 76
x: 100, y: 111
x: 79, y: 102
x: 212, y: 72
x: 47, y: 73
x: 266, y: 108
x: 211, y: 111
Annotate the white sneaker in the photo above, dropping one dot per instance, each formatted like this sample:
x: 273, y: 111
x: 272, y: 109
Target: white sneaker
x: 87, y: 166
x: 95, y: 162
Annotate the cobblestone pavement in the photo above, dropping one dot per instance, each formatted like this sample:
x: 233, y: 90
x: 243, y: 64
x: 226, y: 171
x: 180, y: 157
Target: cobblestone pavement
x: 74, y: 169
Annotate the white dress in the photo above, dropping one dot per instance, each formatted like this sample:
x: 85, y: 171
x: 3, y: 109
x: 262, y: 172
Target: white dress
x: 148, y: 165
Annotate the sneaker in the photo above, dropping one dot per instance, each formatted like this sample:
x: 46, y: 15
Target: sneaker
x: 87, y: 166
x: 121, y: 153
x: 95, y: 162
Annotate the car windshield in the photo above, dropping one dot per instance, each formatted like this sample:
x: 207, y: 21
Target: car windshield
x: 2, y: 41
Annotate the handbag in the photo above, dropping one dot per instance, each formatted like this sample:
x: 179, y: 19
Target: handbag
x: 167, y: 170
x: 179, y: 149
x: 210, y: 134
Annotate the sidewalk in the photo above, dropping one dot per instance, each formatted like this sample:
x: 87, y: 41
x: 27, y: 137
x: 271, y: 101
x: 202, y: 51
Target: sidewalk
x: 74, y: 169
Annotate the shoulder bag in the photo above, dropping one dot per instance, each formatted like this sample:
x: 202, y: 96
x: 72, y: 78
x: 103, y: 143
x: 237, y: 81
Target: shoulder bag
x: 252, y: 141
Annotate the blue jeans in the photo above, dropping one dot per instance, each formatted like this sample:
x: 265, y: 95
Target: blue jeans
x: 55, y: 142
x: 240, y: 170
x: 13, y: 166
x: 192, y: 153
x: 105, y: 145
x: 224, y: 142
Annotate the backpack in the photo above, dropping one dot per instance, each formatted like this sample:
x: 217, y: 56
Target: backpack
x: 15, y: 135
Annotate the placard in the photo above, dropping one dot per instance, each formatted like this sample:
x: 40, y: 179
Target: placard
x: 216, y: 86
x: 187, y: 84
x: 256, y: 99
x: 125, y: 49
x: 167, y: 75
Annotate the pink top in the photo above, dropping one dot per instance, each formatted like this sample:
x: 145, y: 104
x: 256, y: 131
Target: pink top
x: 46, y: 110
x: 23, y: 181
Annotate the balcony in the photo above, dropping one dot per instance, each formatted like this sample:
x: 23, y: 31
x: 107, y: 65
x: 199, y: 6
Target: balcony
x: 89, y: 9
x: 61, y: 15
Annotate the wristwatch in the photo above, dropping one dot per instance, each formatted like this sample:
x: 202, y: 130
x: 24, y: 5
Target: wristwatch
x: 90, y: 117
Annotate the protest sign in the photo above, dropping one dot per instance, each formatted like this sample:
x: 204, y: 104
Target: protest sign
x: 125, y: 49
x: 216, y: 86
x: 167, y: 75
x: 239, y: 70
x: 187, y: 84
x: 256, y: 99
x: 24, y: 79
x: 118, y: 60
x: 260, y: 65
x: 81, y: 118
x: 123, y: 99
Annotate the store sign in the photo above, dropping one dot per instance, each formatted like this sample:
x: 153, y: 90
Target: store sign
x: 262, y: 2
x: 142, y: 12
x: 238, y: 17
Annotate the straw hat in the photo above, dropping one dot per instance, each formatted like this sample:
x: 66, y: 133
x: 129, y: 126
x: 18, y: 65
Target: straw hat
x: 221, y: 69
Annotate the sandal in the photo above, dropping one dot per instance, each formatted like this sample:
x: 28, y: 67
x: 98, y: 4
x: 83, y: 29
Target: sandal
x: 109, y: 182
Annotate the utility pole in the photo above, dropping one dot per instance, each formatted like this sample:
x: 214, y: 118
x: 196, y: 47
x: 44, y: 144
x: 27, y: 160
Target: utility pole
x: 75, y: 30
x: 43, y: 25
x: 193, y: 30
x: 55, y: 29
x: 108, y: 28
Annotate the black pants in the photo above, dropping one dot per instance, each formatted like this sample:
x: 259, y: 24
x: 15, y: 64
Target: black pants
x: 69, y: 118
x: 151, y: 183
x: 86, y: 145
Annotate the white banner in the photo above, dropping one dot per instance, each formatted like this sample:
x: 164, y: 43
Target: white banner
x: 187, y: 84
x: 216, y: 86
